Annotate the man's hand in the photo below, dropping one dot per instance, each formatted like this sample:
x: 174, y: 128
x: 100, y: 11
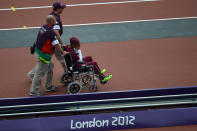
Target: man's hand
x: 65, y: 53
x: 59, y: 48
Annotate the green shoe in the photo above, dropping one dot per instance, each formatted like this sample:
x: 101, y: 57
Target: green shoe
x: 106, y: 78
x: 103, y: 71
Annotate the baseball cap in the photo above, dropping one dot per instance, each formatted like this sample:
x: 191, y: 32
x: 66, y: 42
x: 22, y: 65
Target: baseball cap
x: 58, y: 5
x: 74, y: 40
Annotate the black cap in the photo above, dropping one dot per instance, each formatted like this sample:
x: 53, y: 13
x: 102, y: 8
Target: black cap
x: 58, y: 5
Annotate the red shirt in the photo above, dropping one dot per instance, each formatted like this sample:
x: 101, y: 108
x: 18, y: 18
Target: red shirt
x: 46, y: 36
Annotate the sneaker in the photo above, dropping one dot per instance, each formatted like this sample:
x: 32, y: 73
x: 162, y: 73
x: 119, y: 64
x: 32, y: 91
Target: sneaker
x: 103, y: 71
x: 36, y: 94
x: 29, y: 75
x: 106, y: 78
x: 52, y: 88
x: 103, y: 83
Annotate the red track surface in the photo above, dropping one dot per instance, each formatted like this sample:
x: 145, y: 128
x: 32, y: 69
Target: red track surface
x: 115, y: 12
x: 135, y: 65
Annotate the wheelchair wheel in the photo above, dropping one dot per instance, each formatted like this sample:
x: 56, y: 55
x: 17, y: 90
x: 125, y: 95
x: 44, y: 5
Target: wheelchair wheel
x: 93, y: 88
x: 66, y: 78
x: 74, y: 88
x: 86, y: 79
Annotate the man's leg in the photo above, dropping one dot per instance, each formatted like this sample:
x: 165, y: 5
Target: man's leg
x: 61, y: 59
x: 96, y: 69
x: 88, y: 59
x: 49, y: 78
x: 49, y: 75
x: 40, y: 71
x: 31, y: 73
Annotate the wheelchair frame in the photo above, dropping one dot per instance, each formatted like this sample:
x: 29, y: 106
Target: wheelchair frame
x: 76, y: 79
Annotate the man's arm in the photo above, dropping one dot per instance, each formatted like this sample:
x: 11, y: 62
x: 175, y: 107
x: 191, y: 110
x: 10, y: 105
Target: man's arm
x: 58, y: 36
x: 59, y: 48
x: 56, y: 44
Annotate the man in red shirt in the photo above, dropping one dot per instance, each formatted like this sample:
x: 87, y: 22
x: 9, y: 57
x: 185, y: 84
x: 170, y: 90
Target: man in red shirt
x: 45, y: 46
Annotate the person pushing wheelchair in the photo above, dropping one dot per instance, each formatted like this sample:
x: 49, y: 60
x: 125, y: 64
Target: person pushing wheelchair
x: 45, y: 46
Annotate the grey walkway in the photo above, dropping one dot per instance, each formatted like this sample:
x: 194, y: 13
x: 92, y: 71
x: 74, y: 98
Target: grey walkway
x: 108, y: 32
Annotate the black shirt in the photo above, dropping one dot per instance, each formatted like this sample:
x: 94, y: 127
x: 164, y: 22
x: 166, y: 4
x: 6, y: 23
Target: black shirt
x: 58, y: 25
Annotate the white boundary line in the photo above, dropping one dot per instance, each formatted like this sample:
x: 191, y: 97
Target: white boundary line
x: 103, y: 23
x: 75, y: 5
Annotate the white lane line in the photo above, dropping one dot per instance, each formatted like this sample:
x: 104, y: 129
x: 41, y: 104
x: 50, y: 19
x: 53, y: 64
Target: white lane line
x: 119, y: 2
x: 89, y: 4
x: 103, y: 23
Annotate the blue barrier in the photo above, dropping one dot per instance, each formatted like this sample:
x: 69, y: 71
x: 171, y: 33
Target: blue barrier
x: 105, y: 121
x: 98, y: 96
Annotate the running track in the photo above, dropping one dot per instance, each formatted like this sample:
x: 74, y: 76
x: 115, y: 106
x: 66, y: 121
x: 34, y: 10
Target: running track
x: 135, y: 64
x: 97, y: 13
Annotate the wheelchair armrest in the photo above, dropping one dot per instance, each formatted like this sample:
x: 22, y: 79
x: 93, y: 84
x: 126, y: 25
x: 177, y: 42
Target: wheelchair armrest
x: 80, y: 62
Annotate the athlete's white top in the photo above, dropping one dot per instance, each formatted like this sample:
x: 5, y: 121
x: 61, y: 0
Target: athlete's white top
x: 79, y: 54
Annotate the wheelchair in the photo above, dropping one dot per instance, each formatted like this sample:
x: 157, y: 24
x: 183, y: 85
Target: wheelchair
x: 78, y: 76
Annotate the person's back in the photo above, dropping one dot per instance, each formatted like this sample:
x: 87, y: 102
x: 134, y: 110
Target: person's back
x: 44, y: 48
x: 46, y: 37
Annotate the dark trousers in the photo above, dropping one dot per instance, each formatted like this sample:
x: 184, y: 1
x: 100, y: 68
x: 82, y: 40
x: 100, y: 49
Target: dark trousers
x: 89, y: 61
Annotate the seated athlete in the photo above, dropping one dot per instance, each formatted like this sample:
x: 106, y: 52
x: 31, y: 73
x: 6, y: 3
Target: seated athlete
x: 74, y: 50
